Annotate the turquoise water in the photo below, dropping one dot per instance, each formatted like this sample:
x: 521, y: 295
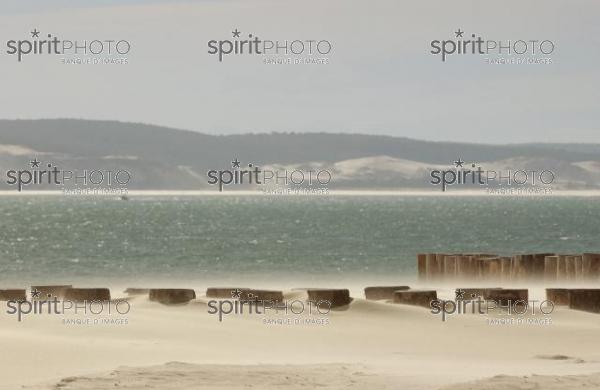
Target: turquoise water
x: 72, y: 238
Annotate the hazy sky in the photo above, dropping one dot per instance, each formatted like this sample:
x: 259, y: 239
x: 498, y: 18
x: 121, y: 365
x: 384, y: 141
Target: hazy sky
x: 381, y: 78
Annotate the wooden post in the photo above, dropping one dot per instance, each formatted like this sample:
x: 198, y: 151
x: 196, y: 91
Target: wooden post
x: 505, y: 269
x: 591, y: 267
x: 449, y: 268
x: 561, y: 269
x: 439, y: 261
x: 570, y: 260
x: 550, y: 269
x: 421, y: 267
x: 431, y: 267
x: 463, y: 267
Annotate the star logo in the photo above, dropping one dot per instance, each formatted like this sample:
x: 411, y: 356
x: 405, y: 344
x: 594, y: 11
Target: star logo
x: 35, y: 293
x: 35, y: 163
x: 460, y: 294
x: 235, y: 163
x: 459, y: 33
x: 459, y: 163
x: 236, y: 294
x: 236, y: 33
x: 35, y: 33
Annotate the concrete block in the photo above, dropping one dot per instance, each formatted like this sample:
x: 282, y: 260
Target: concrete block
x: 137, y: 291
x: 171, y: 296
x: 415, y: 297
x: 335, y: 297
x: 87, y: 294
x: 503, y: 296
x: 558, y: 296
x: 383, y: 292
x: 585, y: 299
x: 13, y: 295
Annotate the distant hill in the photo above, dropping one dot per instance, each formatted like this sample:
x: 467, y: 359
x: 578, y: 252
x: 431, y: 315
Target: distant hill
x: 166, y: 158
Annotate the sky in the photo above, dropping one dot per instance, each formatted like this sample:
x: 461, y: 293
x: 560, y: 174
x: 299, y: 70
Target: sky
x: 380, y: 77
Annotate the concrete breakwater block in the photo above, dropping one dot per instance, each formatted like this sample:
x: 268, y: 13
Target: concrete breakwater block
x: 585, y: 299
x: 335, y: 297
x: 558, y: 296
x: 383, y: 292
x: 137, y: 291
x: 87, y: 294
x: 171, y: 296
x: 13, y: 295
x: 226, y: 292
x: 415, y: 297
x: 57, y: 291
x: 502, y: 296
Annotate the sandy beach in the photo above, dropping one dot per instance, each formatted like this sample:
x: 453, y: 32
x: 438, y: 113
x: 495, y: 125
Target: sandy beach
x: 367, y: 345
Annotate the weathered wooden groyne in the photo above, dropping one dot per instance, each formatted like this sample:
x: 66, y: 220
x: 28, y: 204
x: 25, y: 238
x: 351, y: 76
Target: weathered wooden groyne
x: 547, y: 267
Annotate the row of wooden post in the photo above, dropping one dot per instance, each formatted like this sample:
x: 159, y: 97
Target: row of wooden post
x: 546, y: 267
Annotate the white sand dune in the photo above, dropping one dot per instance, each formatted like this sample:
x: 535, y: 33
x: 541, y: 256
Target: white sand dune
x: 372, y: 345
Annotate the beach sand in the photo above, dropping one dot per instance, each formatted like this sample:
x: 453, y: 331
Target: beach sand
x: 369, y: 345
